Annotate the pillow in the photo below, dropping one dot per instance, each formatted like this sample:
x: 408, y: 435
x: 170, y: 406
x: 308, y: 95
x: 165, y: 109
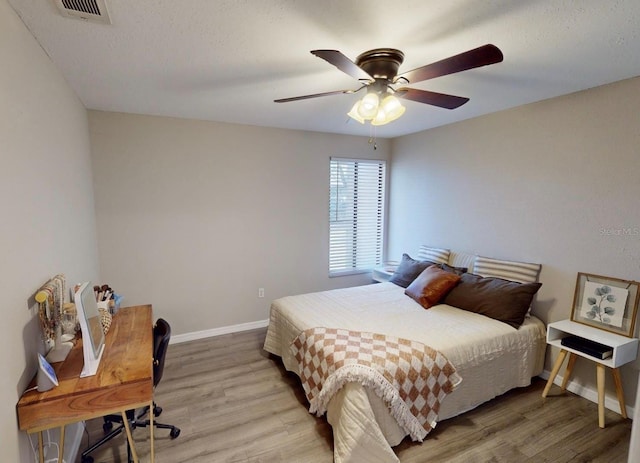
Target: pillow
x: 461, y: 259
x: 408, y: 270
x: 521, y: 272
x: 456, y: 270
x: 437, y: 255
x: 507, y: 301
x: 431, y: 286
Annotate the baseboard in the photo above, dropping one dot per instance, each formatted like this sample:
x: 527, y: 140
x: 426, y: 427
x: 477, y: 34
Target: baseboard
x: 588, y: 393
x: 178, y: 338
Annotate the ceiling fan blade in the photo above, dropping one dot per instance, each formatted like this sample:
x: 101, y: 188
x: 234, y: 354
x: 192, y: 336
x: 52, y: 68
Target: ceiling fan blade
x: 315, y: 95
x: 436, y: 99
x: 481, y: 56
x: 343, y: 63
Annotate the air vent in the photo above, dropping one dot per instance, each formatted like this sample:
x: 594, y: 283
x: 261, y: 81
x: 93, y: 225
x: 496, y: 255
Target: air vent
x: 89, y: 10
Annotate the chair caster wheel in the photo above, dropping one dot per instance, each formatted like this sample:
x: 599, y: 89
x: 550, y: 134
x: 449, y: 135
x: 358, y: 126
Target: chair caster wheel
x: 106, y: 427
x: 157, y: 411
x: 175, y: 432
x: 87, y: 459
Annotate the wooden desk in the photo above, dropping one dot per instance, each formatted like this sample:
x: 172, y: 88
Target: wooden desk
x: 124, y: 381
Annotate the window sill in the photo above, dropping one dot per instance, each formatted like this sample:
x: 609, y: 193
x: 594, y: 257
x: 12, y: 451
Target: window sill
x: 344, y: 273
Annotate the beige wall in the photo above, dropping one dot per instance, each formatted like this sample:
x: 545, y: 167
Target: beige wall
x: 556, y: 182
x: 195, y: 216
x: 46, y: 204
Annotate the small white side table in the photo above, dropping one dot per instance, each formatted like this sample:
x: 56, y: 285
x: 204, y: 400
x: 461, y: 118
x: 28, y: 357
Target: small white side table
x: 625, y: 350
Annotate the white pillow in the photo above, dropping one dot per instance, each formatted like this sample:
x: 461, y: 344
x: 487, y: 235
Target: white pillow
x: 520, y: 272
x: 462, y: 259
x: 437, y: 255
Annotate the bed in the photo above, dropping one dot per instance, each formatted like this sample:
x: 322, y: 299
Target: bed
x: 491, y: 356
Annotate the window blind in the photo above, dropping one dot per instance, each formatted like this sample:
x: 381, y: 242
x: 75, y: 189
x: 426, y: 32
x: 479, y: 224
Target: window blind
x: 356, y: 215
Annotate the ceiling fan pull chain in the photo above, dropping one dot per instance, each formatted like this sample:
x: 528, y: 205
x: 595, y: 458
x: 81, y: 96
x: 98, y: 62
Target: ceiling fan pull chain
x: 372, y: 137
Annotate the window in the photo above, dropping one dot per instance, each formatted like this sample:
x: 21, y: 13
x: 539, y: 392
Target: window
x: 356, y: 215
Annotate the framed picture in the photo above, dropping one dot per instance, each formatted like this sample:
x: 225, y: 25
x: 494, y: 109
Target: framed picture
x: 610, y: 304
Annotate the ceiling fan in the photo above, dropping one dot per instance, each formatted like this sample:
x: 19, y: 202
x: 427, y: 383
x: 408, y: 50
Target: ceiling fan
x: 377, y: 71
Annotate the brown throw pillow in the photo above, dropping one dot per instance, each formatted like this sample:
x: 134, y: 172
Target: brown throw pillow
x: 500, y: 299
x: 408, y: 270
x: 431, y: 286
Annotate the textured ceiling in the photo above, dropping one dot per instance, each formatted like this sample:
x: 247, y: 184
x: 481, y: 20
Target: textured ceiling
x: 227, y: 60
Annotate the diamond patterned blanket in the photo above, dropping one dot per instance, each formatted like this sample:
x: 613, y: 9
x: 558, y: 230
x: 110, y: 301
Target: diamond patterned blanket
x: 411, y: 378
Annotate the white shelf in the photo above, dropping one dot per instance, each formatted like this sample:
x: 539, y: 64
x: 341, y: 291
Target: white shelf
x: 381, y: 275
x: 625, y: 349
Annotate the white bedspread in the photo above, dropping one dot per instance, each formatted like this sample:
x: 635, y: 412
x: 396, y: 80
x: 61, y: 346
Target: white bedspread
x: 490, y: 356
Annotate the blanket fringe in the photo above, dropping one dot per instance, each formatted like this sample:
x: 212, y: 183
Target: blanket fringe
x: 374, y: 380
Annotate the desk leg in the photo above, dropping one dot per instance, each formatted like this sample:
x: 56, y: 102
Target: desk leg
x: 600, y: 369
x: 554, y: 372
x: 151, y: 416
x: 127, y: 428
x: 40, y: 448
x: 567, y: 372
x: 618, y: 382
x: 61, y: 444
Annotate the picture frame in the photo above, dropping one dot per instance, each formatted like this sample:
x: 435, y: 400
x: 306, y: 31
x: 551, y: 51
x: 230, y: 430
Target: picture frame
x: 610, y: 304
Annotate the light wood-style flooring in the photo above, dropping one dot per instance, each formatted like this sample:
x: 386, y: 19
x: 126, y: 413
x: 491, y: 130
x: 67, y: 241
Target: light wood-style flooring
x: 235, y: 403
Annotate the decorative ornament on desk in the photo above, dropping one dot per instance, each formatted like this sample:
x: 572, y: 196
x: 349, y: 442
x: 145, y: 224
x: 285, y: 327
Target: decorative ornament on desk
x: 108, y: 304
x: 50, y: 299
x: 105, y: 316
x: 115, y: 303
x: 69, y: 321
x: 107, y: 298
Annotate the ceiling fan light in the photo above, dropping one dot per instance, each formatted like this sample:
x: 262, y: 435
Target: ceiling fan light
x: 353, y: 114
x: 396, y: 114
x: 381, y: 118
x: 391, y: 106
x: 369, y: 106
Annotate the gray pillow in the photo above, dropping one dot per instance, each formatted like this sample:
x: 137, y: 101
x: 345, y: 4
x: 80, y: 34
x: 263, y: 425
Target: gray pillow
x: 504, y: 300
x: 456, y: 270
x: 408, y: 270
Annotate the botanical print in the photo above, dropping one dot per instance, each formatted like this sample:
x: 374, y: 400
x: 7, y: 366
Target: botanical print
x: 604, y: 304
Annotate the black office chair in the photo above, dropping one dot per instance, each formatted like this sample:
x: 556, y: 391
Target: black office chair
x: 161, y: 336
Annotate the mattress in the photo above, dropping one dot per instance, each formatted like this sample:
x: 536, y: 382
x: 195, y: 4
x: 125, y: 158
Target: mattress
x: 490, y: 356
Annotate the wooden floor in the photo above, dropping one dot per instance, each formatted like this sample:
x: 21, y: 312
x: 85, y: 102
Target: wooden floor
x: 235, y: 403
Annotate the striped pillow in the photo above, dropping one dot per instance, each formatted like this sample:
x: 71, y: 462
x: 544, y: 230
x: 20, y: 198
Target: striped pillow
x: 437, y: 255
x: 461, y: 259
x: 520, y: 272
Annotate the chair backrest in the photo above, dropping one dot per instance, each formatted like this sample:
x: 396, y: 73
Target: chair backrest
x: 161, y: 336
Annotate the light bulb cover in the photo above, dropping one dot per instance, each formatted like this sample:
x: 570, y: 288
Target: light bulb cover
x: 380, y: 118
x: 369, y: 106
x: 353, y: 114
x: 392, y: 108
